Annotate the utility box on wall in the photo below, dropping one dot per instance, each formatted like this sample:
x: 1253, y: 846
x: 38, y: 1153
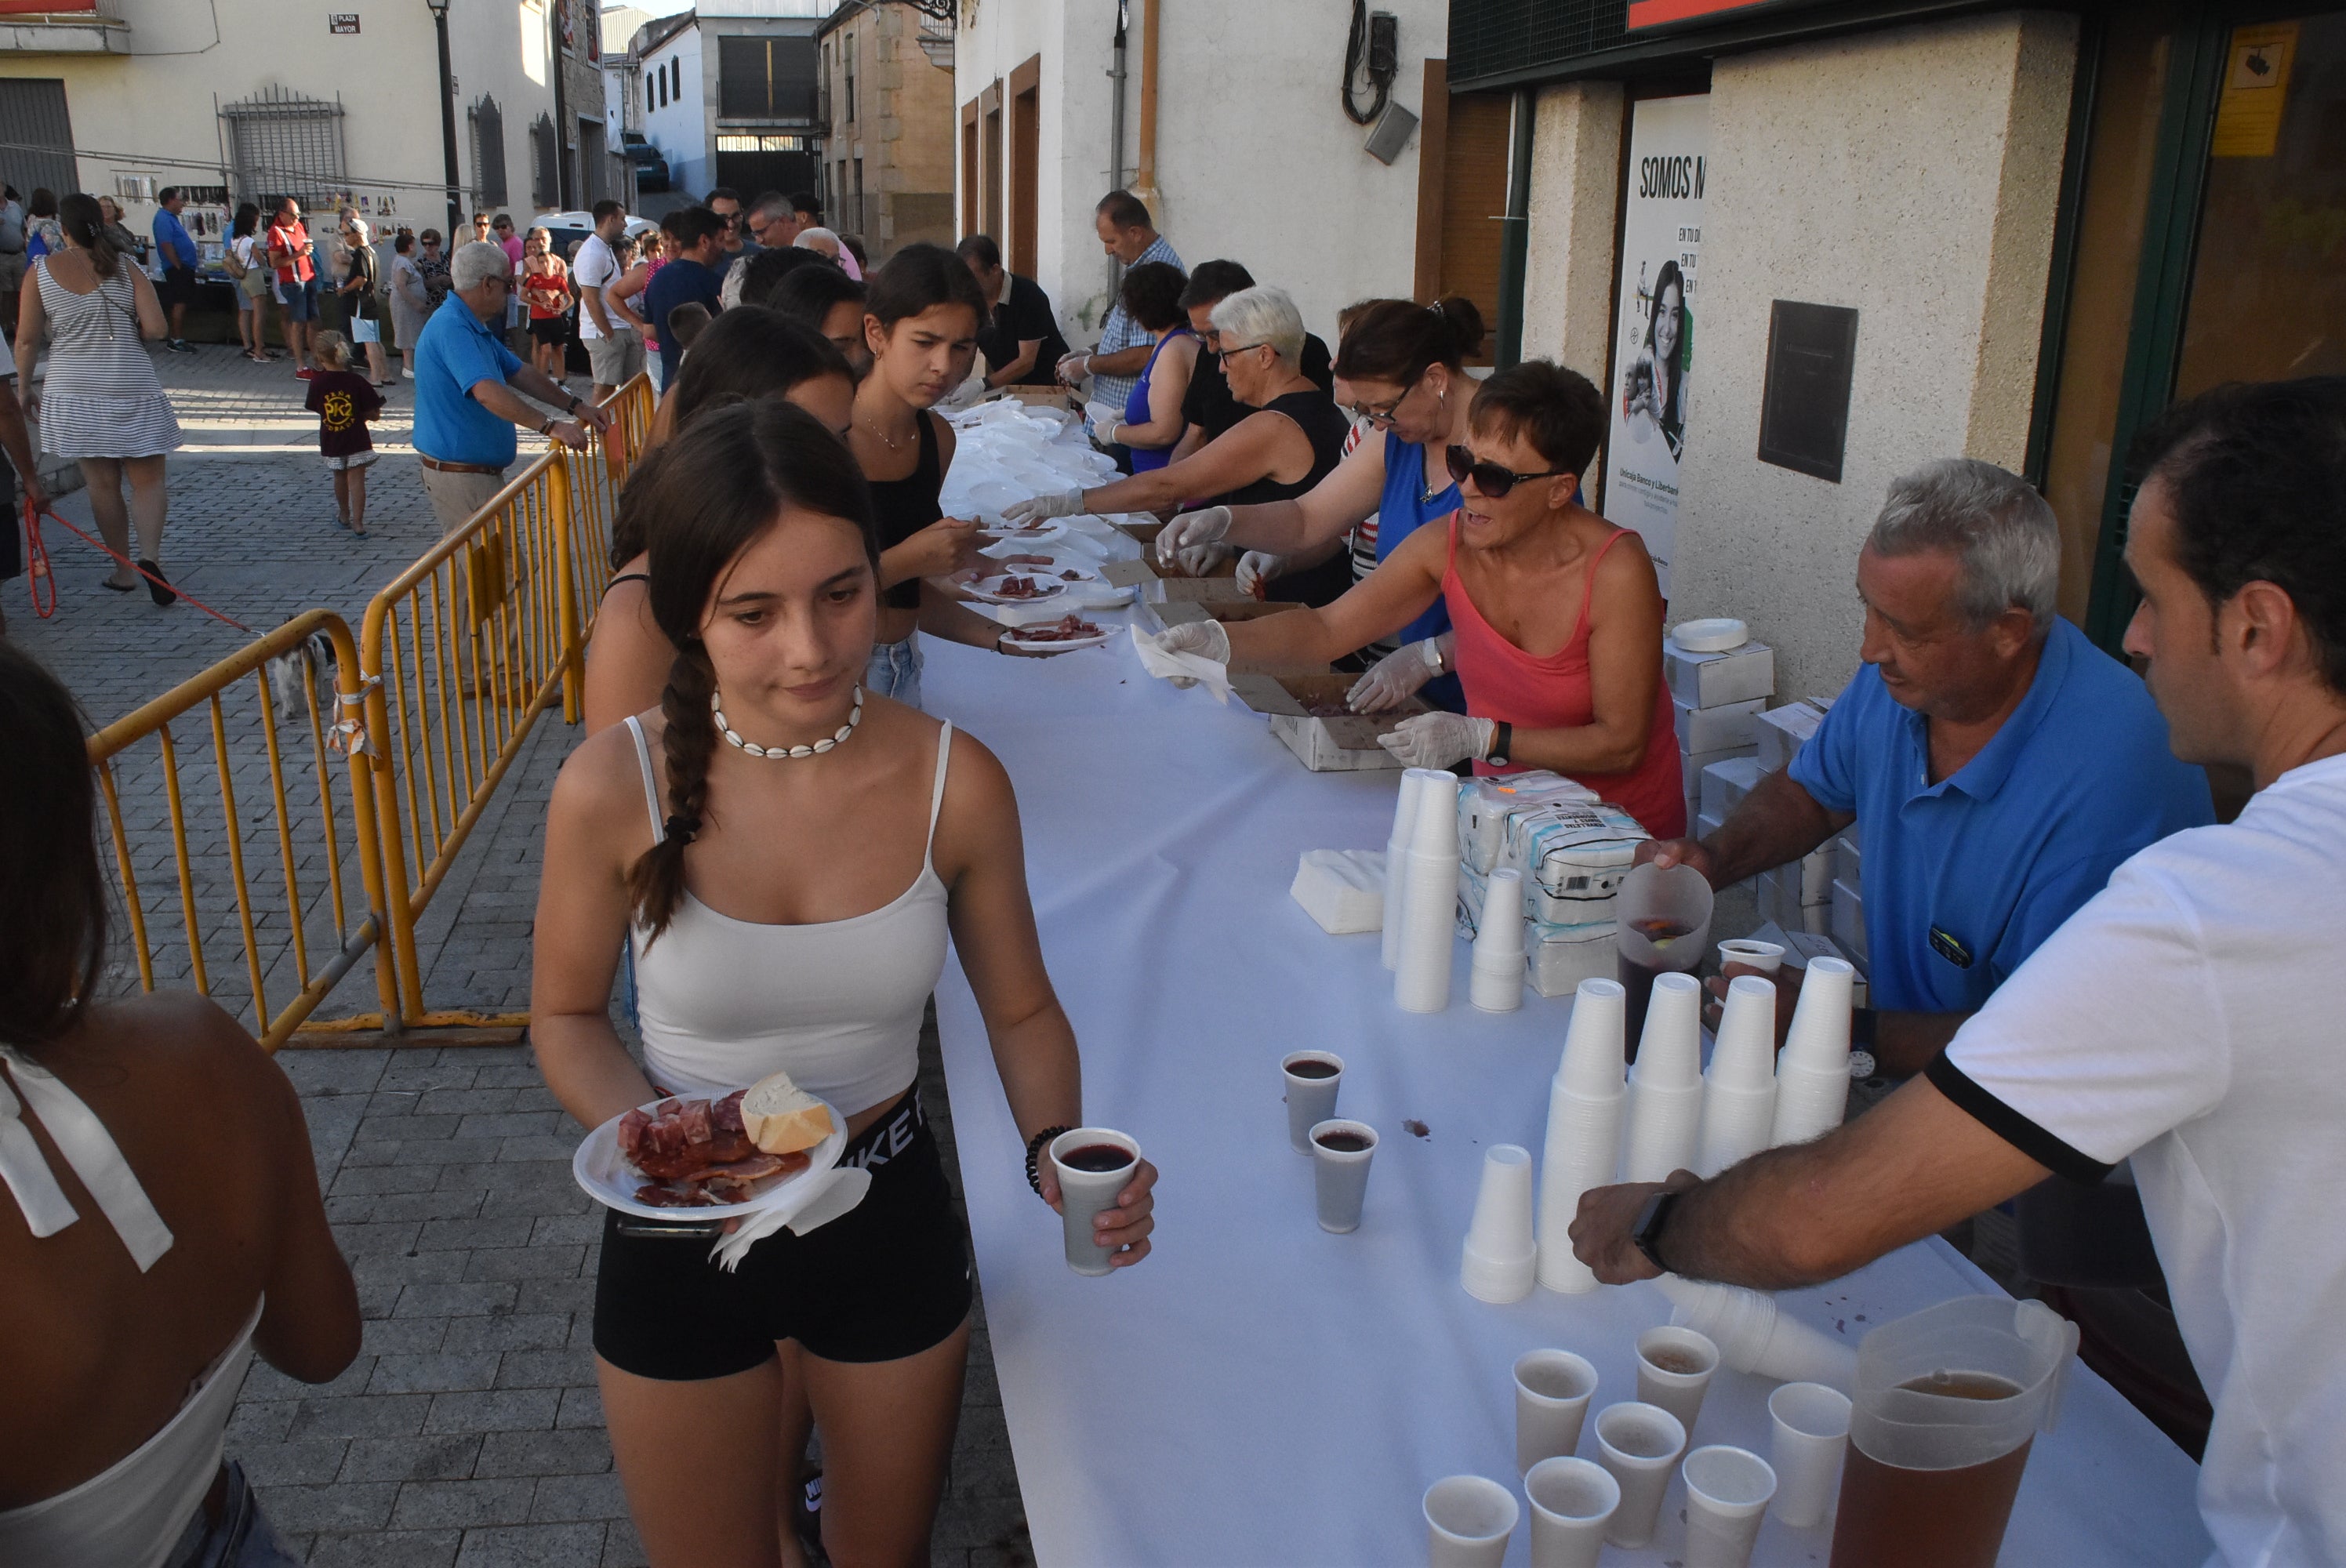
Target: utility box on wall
x: 1804, y: 409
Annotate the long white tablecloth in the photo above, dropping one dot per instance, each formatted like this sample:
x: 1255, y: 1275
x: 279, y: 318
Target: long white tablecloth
x: 1258, y: 1393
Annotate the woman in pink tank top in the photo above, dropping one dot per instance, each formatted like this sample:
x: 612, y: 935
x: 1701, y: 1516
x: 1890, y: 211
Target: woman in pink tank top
x: 1558, y: 613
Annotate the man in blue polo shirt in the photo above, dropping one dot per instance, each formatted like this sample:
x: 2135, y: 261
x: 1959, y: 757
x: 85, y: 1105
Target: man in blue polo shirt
x: 1999, y: 766
x: 470, y: 390
x: 174, y: 247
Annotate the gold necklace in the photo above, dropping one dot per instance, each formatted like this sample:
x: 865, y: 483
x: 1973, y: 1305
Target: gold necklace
x: 883, y: 437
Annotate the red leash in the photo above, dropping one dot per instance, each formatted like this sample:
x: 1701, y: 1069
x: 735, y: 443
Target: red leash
x: 39, y: 571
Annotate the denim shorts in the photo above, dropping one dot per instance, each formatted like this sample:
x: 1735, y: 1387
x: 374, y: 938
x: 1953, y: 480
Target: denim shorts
x: 300, y: 300
x: 896, y: 670
x: 240, y: 1538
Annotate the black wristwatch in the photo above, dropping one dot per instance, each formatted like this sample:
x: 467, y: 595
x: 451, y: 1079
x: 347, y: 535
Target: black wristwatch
x: 573, y: 402
x: 1503, y: 741
x: 1864, y: 1024
x: 1648, y: 1232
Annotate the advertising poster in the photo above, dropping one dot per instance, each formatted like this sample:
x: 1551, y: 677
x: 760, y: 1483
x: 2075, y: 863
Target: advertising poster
x: 1653, y: 346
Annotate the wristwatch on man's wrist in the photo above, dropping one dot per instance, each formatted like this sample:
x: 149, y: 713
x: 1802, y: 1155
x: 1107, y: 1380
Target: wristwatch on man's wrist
x: 573, y: 402
x: 1648, y: 1232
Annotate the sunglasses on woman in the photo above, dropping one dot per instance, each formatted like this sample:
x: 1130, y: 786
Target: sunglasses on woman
x: 1490, y: 479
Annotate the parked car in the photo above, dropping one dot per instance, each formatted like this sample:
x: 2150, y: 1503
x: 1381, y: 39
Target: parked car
x: 566, y: 228
x: 651, y: 168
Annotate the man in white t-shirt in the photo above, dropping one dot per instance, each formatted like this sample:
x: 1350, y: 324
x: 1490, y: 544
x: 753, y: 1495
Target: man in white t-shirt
x: 614, y: 348
x: 2187, y: 1018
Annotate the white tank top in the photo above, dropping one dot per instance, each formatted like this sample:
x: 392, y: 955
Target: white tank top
x: 837, y: 1005
x: 132, y: 1514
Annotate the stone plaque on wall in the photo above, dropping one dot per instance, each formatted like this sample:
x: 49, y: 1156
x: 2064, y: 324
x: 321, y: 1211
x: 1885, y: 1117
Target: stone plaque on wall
x: 1804, y: 410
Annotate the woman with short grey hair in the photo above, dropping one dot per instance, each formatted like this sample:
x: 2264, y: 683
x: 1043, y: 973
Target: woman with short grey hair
x: 1293, y: 440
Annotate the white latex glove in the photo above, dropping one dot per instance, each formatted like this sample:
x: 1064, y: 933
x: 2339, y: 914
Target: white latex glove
x: 1203, y: 639
x: 1257, y: 568
x: 1199, y: 560
x: 1438, y: 739
x: 1392, y: 680
x: 1066, y: 503
x: 1102, y: 417
x: 1073, y: 367
x: 1192, y: 528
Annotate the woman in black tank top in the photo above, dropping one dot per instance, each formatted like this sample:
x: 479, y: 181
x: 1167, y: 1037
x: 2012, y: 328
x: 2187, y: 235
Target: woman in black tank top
x: 920, y: 320
x: 1292, y: 440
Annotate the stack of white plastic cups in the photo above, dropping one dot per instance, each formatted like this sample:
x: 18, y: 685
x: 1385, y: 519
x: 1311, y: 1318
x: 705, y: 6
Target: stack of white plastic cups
x: 1738, y: 1093
x: 1495, y: 984
x: 1812, y: 1075
x: 1585, y: 1110
x: 1665, y: 1083
x: 1396, y: 858
x: 1496, y: 1263
x: 1429, y: 898
x: 1753, y: 1335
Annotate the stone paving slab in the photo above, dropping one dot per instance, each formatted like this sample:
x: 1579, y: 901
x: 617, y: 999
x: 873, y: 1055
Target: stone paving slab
x: 468, y: 1432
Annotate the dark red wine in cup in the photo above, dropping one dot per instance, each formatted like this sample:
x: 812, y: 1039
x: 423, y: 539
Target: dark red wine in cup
x: 1097, y: 1157
x: 1342, y: 1142
x: 1313, y: 1067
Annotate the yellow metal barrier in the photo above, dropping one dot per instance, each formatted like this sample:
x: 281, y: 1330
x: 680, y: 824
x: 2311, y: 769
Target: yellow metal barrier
x: 314, y: 919
x: 463, y: 651
x: 455, y: 661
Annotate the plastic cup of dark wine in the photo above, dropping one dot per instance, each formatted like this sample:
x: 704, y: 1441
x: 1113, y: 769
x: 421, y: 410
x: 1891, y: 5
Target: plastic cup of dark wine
x: 1094, y: 1164
x: 1313, y: 1078
x: 1341, y: 1151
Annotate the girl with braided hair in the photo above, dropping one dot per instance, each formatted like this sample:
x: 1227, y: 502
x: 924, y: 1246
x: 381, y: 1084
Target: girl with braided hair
x: 787, y: 853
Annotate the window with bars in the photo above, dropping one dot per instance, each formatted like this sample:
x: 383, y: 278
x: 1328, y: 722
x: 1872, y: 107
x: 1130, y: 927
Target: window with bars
x: 767, y: 78
x: 1492, y: 38
x: 488, y: 128
x: 281, y: 143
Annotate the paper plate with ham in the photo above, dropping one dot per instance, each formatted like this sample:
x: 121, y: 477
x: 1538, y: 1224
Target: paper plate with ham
x: 692, y: 1158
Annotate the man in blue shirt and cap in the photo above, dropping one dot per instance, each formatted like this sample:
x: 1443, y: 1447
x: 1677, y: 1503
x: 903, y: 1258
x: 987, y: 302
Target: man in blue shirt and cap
x: 1999, y: 766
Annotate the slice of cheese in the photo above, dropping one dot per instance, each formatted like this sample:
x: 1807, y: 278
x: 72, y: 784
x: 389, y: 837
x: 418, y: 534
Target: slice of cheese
x: 782, y: 1118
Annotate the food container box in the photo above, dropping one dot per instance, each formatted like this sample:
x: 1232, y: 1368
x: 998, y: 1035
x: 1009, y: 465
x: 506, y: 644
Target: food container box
x: 1692, y: 763
x: 1306, y: 712
x: 1572, y: 856
x: 1849, y: 922
x: 1800, y: 946
x: 1036, y: 397
x: 1782, y: 732
x: 1718, y: 680
x: 1155, y: 589
x: 1486, y: 807
x: 1730, y: 727
x: 1725, y: 784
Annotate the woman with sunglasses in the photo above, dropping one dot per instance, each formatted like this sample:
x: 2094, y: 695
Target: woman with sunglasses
x: 1292, y: 440
x: 1397, y: 367
x: 1558, y: 613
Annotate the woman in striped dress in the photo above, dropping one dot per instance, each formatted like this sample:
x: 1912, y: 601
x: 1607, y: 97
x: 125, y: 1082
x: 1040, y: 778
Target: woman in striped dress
x: 103, y: 404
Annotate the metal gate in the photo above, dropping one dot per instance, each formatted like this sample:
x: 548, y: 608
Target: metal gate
x: 283, y: 144
x: 37, y: 135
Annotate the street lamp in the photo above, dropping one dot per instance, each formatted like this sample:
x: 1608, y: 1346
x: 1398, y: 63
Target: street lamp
x: 447, y: 116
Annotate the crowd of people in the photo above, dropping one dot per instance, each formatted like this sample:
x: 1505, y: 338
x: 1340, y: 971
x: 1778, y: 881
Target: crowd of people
x: 763, y: 844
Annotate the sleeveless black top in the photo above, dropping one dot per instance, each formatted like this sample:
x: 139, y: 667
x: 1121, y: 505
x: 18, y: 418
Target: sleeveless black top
x: 1325, y: 426
x: 903, y: 507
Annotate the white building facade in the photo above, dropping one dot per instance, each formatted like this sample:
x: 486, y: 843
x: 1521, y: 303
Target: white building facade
x: 243, y: 100
x: 1233, y: 130
x: 729, y: 95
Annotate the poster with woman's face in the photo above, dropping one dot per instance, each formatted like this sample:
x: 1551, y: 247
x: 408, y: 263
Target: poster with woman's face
x: 1653, y: 351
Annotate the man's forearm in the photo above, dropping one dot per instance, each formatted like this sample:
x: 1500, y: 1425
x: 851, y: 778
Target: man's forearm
x: 1775, y: 824
x: 502, y: 400
x: 531, y: 382
x: 593, y: 300
x: 1016, y: 367
x: 1123, y: 363
x: 1905, y: 1042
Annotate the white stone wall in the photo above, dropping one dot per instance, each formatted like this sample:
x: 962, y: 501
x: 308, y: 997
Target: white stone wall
x: 679, y: 129
x: 1912, y: 174
x: 1575, y: 190
x: 1256, y: 158
x: 160, y: 101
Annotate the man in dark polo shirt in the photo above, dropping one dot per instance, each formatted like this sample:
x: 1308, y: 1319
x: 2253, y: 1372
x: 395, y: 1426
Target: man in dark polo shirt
x: 1020, y: 337
x: 1207, y: 405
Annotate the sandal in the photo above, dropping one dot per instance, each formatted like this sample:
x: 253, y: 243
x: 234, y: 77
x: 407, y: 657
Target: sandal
x: 117, y: 588
x: 158, y: 587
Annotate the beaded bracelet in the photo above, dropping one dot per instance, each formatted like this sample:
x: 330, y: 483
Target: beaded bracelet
x: 1035, y: 1156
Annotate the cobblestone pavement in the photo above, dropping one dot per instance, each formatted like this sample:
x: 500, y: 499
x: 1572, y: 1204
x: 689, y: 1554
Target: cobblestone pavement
x: 468, y: 1431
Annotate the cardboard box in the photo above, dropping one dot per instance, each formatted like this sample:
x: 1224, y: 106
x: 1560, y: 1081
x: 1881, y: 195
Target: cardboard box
x: 1849, y: 861
x: 1849, y: 922
x: 1724, y: 785
x: 1718, y: 680
x: 1800, y: 946
x: 1728, y: 727
x: 1692, y: 763
x: 1155, y: 589
x: 1037, y: 397
x: 1782, y: 732
x: 1334, y: 742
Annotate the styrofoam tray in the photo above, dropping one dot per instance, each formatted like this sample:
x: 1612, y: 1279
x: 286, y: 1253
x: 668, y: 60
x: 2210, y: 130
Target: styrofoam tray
x: 611, y: 1181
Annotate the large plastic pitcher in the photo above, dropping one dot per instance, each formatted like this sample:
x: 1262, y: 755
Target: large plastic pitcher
x: 1664, y: 918
x: 1946, y: 1405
